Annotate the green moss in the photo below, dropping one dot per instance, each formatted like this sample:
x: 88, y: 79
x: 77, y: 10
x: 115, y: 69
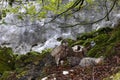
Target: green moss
x: 85, y: 36
x: 21, y: 74
x: 31, y: 58
x: 110, y: 50
x: 102, y: 47
x: 70, y: 41
x: 46, y: 51
x: 105, y: 30
x: 96, y: 51
x: 113, y: 77
x: 79, y: 42
x: 87, y: 42
x: 7, y: 59
x: 115, y: 36
x: 23, y: 60
x: 3, y: 13
x: 6, y: 75
x: 101, y: 39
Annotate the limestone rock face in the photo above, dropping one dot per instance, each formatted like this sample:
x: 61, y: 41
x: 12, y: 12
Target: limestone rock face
x: 91, y: 61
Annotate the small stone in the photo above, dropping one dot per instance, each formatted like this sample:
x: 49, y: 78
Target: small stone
x: 92, y: 43
x: 111, y: 77
x: 65, y: 72
x: 54, y: 78
x: 72, y: 70
x: 9, y: 61
x: 45, y: 78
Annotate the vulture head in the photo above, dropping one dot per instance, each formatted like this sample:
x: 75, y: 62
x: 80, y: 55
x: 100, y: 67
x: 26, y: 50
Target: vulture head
x: 61, y: 52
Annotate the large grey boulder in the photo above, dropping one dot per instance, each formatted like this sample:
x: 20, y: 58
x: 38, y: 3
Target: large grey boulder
x: 85, y: 62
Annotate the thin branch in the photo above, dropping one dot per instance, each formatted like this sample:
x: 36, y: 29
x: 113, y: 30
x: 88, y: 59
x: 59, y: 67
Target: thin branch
x: 58, y: 4
x: 77, y: 9
x: 94, y: 21
x: 93, y: 75
x: 106, y: 9
x: 77, y: 2
x: 43, y: 3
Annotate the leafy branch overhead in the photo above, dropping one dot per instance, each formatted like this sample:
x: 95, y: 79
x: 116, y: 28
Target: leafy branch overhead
x: 78, y: 3
x: 92, y: 22
x: 59, y: 8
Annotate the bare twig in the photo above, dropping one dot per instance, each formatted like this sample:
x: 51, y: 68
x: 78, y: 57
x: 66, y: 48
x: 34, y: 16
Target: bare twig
x: 93, y: 78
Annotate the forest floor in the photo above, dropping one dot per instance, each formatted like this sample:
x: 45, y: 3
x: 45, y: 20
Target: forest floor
x: 111, y: 66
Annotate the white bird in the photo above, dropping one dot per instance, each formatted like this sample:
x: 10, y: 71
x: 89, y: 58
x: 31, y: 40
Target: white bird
x: 77, y: 48
x: 79, y: 51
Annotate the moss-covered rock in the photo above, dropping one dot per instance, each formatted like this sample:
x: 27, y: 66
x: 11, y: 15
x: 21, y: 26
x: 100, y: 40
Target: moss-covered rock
x: 7, y: 59
x: 100, y: 45
x: 105, y: 40
x: 32, y: 64
x: 85, y: 36
x: 31, y: 58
